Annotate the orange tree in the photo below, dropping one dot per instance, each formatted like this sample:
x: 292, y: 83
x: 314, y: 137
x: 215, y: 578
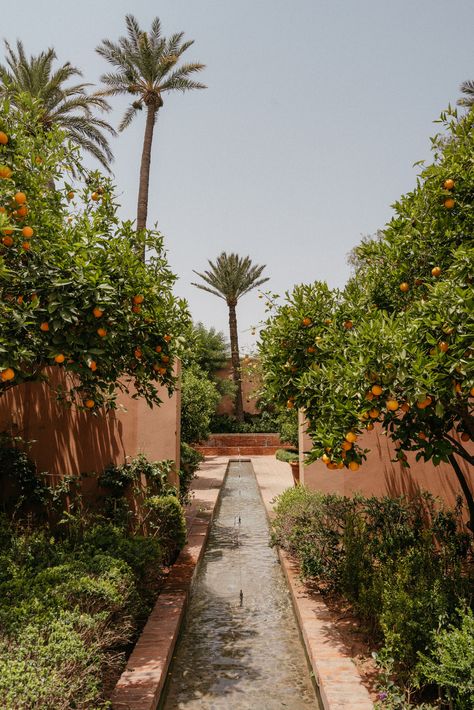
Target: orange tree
x: 73, y: 292
x: 396, y: 345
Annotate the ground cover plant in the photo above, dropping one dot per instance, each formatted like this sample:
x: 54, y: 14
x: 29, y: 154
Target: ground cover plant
x: 407, y: 571
x: 396, y: 345
x: 78, y: 578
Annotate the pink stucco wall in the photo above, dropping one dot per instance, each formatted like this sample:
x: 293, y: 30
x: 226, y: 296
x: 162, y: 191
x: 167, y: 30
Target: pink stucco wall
x: 250, y: 384
x: 379, y: 475
x: 70, y: 441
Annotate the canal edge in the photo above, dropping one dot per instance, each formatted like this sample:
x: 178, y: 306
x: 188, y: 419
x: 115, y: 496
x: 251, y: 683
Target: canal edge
x: 142, y: 682
x: 338, y: 681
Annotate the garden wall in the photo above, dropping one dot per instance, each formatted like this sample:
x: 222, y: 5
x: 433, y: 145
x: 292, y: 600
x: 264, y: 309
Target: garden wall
x: 71, y: 441
x: 379, y: 475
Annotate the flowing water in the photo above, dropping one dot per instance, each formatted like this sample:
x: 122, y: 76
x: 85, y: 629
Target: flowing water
x: 236, y: 651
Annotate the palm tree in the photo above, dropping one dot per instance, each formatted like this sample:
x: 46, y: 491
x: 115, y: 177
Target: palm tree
x: 145, y: 65
x: 467, y: 88
x: 70, y: 107
x: 231, y: 277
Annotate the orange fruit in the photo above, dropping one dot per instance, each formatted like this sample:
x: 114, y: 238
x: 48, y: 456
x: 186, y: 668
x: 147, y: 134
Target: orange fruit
x: 19, y: 300
x: 138, y: 353
x: 422, y: 435
x: 5, y: 172
x: 374, y: 413
x: 7, y: 374
x: 392, y: 405
x: 348, y: 324
x: 472, y: 392
x: 436, y: 271
x: 369, y: 396
x: 351, y: 437
x: 138, y: 299
x: 311, y: 349
x: 449, y: 203
x: 89, y: 403
x: 8, y: 241
x: 2, y: 210
x: 167, y: 338
x: 101, y: 332
x: 290, y: 404
x: 20, y: 198
x: 22, y: 211
x: 44, y: 327
x: 424, y: 403
x: 27, y: 232
x: 3, y: 138
x: 370, y: 426
x: 136, y: 308
x: 70, y: 195
x: 325, y: 458
x: 158, y: 348
x: 165, y: 358
x: 404, y: 287
x: 346, y: 445
x: 354, y: 466
x: 93, y: 365
x: 418, y: 282
x: 26, y: 246
x: 95, y: 196
x: 7, y: 231
x: 331, y: 466
x: 98, y: 312
x: 443, y: 346
x: 448, y: 184
x: 306, y: 321
x: 376, y: 390
x: 59, y: 358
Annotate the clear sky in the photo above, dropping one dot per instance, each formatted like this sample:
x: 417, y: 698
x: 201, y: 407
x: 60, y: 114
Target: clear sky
x: 315, y: 113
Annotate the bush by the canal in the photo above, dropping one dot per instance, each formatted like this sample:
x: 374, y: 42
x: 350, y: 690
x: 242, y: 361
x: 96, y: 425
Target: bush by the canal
x: 78, y: 578
x: 190, y: 460
x: 404, y: 566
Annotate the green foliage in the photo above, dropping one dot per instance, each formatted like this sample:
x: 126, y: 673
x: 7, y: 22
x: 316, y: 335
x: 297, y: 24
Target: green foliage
x: 287, y: 455
x: 165, y: 520
x: 199, y: 399
x: 68, y: 609
x: 324, y: 350
x: 81, y: 257
x: 205, y: 347
x: 190, y: 460
x: 451, y: 662
x: 402, y: 564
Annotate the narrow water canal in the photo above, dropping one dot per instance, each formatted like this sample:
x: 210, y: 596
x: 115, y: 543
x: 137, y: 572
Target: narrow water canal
x: 232, y: 654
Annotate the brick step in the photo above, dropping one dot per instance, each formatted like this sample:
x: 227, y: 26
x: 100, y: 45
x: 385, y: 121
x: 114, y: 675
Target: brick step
x: 237, y: 450
x: 243, y: 440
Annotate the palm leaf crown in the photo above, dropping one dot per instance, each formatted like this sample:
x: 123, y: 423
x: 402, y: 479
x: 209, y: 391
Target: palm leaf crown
x: 467, y: 88
x: 146, y: 67
x: 70, y: 107
x: 231, y: 276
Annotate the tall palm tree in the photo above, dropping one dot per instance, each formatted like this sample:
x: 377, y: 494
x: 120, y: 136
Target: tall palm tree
x: 70, y: 107
x: 231, y: 277
x: 467, y: 88
x: 145, y: 64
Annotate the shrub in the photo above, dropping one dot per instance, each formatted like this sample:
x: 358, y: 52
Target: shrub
x: 190, y: 460
x: 402, y: 563
x: 287, y: 455
x: 165, y: 520
x: 450, y: 663
x: 199, y: 399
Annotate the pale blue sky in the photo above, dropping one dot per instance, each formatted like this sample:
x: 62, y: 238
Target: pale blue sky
x: 315, y: 113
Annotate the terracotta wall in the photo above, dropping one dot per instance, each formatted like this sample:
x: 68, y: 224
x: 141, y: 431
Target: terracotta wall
x: 378, y: 475
x: 70, y: 441
x: 250, y: 384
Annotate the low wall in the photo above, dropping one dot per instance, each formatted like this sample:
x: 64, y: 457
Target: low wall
x: 71, y: 441
x: 379, y: 475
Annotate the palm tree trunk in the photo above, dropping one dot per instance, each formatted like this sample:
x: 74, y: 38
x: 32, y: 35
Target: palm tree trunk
x: 234, y: 352
x: 142, y: 205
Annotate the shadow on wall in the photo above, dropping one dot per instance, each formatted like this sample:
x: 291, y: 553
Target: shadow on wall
x: 72, y: 441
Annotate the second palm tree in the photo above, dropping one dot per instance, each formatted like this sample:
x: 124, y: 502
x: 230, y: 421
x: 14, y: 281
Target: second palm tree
x: 231, y: 277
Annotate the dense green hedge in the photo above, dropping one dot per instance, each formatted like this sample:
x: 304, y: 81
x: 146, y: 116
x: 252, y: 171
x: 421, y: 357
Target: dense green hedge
x: 405, y: 568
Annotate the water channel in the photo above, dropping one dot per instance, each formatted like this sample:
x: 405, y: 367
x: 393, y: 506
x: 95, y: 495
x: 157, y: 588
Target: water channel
x: 240, y: 652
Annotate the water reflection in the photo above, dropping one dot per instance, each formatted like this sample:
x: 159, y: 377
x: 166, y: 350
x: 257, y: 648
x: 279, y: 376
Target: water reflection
x: 233, y: 656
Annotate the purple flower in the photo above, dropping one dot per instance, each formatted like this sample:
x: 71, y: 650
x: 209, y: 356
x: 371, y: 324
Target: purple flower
x: 383, y: 695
